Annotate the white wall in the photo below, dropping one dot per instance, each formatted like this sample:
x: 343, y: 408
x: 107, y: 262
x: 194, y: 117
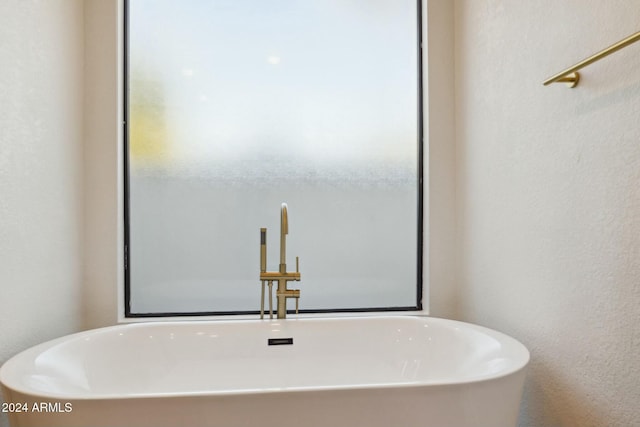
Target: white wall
x: 41, y: 94
x: 548, y: 199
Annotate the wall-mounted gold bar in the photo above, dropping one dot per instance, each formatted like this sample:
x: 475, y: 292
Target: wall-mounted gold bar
x: 570, y: 75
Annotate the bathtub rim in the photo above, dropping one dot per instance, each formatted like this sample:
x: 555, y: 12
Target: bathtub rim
x: 32, y: 352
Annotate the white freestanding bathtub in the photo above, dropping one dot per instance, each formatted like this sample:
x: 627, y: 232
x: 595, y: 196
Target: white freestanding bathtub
x: 341, y: 372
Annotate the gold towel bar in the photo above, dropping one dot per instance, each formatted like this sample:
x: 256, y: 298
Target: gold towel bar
x: 571, y: 77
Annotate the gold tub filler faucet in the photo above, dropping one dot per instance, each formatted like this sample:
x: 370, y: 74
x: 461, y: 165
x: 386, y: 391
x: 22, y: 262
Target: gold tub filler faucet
x: 281, y: 276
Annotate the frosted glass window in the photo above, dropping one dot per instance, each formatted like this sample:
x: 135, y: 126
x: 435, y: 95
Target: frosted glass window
x: 235, y: 106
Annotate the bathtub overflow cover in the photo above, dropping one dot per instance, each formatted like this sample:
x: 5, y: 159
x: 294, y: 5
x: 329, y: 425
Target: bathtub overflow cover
x: 280, y: 341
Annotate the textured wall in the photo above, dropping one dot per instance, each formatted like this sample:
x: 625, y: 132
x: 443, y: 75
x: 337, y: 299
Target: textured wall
x: 40, y: 171
x: 548, y: 199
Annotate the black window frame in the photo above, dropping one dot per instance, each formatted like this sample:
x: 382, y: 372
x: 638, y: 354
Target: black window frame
x: 128, y: 313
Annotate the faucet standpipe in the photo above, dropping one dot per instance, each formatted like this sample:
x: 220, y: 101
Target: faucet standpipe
x: 282, y: 276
